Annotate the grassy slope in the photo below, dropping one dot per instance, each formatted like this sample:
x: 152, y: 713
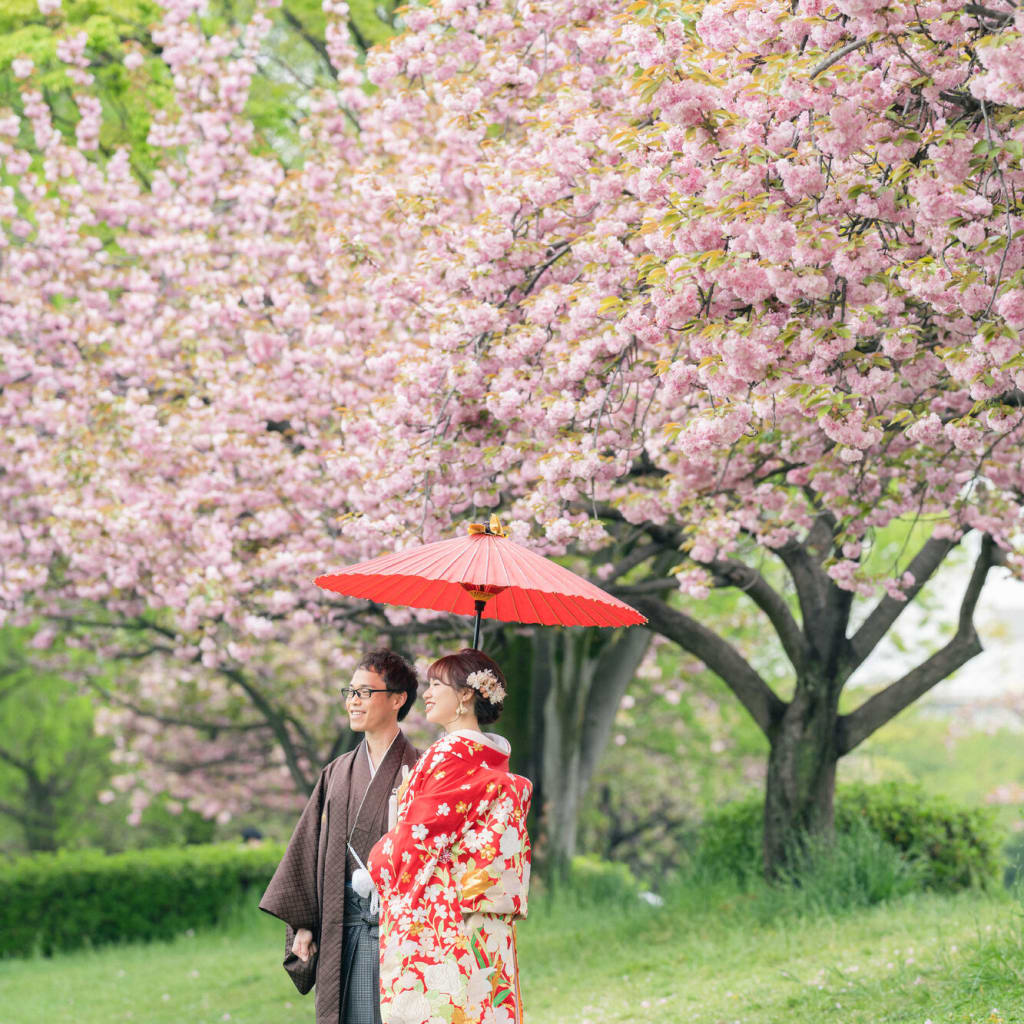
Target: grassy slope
x: 948, y: 960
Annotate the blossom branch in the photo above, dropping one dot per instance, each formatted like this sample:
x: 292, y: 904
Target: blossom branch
x: 729, y: 572
x: 720, y: 656
x: 838, y: 56
x: 854, y: 728
x: 882, y: 617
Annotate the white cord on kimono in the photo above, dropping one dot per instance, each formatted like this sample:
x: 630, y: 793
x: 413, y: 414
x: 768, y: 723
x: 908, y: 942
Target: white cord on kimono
x: 362, y: 883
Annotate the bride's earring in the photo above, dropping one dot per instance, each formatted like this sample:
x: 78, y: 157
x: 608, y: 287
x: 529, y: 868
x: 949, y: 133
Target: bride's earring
x: 462, y: 710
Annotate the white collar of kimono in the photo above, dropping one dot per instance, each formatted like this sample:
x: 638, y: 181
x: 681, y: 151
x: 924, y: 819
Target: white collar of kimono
x: 369, y: 759
x: 491, y: 739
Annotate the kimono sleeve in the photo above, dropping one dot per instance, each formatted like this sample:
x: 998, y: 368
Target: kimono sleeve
x: 293, y: 892
x: 431, y: 816
x: 494, y: 856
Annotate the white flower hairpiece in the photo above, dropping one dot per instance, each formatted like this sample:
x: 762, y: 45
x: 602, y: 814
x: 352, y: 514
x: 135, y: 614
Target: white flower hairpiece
x: 485, y: 682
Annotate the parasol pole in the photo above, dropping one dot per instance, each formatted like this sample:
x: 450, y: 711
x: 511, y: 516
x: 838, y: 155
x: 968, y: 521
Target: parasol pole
x: 479, y: 606
x: 492, y: 528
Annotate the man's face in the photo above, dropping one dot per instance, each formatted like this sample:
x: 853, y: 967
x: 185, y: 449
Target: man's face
x: 378, y: 711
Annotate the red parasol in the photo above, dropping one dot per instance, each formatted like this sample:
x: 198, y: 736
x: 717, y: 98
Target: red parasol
x: 485, y: 574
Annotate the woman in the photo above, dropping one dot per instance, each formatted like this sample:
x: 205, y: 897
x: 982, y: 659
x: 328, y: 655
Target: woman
x: 453, y: 873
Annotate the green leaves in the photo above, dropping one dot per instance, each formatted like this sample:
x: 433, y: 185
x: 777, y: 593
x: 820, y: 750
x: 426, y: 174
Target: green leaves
x: 65, y: 901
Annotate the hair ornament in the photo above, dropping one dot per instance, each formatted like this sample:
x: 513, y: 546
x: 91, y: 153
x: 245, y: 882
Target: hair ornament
x: 485, y: 682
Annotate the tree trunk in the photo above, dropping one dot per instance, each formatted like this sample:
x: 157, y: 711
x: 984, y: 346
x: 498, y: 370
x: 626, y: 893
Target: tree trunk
x: 800, y: 783
x: 39, y: 824
x: 577, y: 679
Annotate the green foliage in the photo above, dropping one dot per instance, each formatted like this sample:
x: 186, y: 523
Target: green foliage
x: 294, y: 62
x: 858, y: 869
x: 951, y: 754
x: 63, y: 901
x: 681, y: 744
x: 1013, y: 876
x: 949, y: 847
x: 52, y: 766
x: 113, y: 28
x: 958, y: 846
x: 592, y: 880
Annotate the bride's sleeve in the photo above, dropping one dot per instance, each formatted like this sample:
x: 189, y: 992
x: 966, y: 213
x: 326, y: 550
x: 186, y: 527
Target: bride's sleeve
x: 495, y: 856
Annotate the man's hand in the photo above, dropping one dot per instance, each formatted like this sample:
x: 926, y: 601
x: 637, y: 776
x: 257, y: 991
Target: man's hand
x: 304, y: 946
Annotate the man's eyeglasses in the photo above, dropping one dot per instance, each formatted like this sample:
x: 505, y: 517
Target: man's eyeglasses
x: 362, y: 692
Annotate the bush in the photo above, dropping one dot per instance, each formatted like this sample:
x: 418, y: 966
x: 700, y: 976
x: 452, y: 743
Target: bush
x: 1013, y: 854
x: 592, y: 880
x: 951, y: 847
x: 858, y: 869
x: 63, y: 901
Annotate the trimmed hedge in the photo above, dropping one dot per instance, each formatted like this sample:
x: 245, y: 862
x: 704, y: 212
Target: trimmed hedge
x: 952, y: 847
x: 66, y: 900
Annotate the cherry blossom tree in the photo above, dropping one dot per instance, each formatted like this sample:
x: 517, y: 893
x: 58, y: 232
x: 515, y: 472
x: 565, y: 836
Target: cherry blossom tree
x: 741, y: 285
x: 169, y: 342
x: 708, y: 292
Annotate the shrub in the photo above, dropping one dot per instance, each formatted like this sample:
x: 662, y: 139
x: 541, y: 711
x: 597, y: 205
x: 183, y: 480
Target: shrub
x: 1013, y: 853
x: 952, y: 847
x: 63, y: 901
x: 592, y: 880
x: 858, y: 869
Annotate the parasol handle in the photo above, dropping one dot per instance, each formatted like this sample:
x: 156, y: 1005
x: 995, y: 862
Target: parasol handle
x: 479, y: 606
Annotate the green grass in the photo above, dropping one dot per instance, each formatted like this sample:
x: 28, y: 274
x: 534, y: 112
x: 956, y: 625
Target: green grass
x: 702, y: 958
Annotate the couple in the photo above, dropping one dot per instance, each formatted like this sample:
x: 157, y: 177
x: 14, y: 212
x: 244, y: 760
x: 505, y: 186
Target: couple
x: 449, y: 871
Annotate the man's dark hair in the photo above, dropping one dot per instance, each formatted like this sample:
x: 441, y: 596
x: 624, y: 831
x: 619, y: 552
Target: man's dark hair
x: 398, y: 675
x: 455, y: 669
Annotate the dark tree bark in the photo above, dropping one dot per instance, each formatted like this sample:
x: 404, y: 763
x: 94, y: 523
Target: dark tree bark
x: 807, y: 734
x: 577, y: 680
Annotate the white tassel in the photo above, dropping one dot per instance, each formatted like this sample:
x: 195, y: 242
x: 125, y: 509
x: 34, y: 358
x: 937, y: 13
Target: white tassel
x: 362, y: 882
x: 362, y: 885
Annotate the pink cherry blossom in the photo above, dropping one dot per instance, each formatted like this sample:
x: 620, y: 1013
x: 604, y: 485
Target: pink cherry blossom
x: 771, y: 273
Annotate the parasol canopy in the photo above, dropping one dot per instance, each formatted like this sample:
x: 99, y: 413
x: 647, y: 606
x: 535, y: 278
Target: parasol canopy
x: 486, y: 574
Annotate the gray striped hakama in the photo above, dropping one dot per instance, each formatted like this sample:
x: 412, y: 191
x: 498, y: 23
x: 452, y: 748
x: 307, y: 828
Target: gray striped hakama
x: 360, y: 969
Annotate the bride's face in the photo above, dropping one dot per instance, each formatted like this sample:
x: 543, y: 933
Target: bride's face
x: 442, y: 702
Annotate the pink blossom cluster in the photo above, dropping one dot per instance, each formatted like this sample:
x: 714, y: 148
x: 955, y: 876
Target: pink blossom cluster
x: 718, y: 267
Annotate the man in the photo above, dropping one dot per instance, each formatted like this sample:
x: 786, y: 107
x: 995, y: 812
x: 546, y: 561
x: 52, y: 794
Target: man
x: 331, y: 936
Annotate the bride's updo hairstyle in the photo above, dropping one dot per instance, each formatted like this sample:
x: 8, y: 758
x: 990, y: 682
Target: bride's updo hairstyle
x: 489, y: 685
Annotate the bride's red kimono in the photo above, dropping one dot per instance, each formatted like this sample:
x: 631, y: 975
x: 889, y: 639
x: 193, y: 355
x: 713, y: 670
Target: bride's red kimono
x: 453, y: 875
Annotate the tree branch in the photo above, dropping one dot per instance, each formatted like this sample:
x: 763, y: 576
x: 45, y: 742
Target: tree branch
x: 621, y: 836
x: 177, y: 720
x: 318, y: 45
x: 19, y: 814
x: 838, y: 56
x: 345, y: 741
x: 746, y: 578
x: 651, y: 586
x: 277, y: 724
x: 719, y: 656
x: 25, y: 767
x: 636, y: 557
x: 666, y: 538
x: 807, y: 576
x: 854, y: 728
x: 924, y: 565
x: 616, y: 668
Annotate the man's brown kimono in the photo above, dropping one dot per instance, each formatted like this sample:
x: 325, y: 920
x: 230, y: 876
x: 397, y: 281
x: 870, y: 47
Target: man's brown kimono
x: 308, y: 887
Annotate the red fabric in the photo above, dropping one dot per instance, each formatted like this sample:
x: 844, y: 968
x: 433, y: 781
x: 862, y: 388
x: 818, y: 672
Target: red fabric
x: 454, y: 875
x: 529, y: 587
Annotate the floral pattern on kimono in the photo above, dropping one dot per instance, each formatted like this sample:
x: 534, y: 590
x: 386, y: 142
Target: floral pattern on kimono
x: 453, y: 875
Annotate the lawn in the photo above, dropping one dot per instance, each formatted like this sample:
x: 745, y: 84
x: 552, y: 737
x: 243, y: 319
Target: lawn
x: 702, y: 960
